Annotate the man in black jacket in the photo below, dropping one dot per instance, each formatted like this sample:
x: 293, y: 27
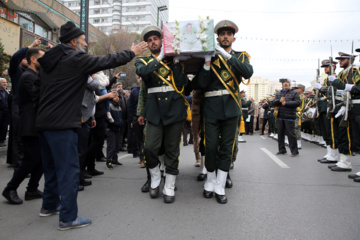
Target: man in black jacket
x: 288, y: 100
x: 64, y: 73
x: 31, y: 162
x: 4, y: 111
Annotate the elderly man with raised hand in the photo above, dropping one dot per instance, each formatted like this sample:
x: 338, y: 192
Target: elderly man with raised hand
x: 63, y: 78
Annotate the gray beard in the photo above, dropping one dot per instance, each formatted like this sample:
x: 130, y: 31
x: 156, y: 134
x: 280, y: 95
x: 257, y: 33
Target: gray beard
x: 78, y: 46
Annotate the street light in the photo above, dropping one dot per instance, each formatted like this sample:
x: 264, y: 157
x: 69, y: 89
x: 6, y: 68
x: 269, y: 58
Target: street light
x: 159, y: 9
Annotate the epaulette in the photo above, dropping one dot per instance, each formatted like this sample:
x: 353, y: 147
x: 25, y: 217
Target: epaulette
x: 242, y: 55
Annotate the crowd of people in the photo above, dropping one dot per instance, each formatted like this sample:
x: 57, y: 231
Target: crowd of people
x: 64, y: 109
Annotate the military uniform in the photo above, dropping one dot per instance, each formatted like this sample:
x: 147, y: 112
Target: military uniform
x: 165, y: 111
x: 324, y: 121
x: 341, y: 135
x: 221, y: 111
x: 299, y: 113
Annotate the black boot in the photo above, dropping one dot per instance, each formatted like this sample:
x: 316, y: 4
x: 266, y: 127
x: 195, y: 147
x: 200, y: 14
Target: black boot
x: 146, y: 186
x: 228, y: 183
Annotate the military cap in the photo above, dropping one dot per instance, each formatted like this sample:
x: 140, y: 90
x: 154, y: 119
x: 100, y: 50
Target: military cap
x: 300, y: 86
x: 326, y: 62
x: 357, y: 50
x: 149, y: 31
x: 343, y: 55
x: 226, y: 25
x: 242, y: 91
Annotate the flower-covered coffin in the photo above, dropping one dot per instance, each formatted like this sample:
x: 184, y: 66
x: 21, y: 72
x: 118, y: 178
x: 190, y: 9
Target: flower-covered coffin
x: 189, y: 37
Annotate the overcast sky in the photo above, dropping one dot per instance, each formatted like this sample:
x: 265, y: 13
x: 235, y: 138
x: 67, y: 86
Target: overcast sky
x: 288, y: 22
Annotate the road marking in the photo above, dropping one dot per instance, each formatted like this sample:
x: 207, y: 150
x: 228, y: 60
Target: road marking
x: 263, y: 137
x: 274, y: 158
x: 127, y: 155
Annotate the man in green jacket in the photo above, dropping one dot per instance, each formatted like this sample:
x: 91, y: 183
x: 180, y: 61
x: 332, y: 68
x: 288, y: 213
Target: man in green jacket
x: 220, y: 78
x: 165, y: 111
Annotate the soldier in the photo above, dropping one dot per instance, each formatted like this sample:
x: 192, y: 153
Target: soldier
x: 299, y: 111
x: 325, y: 125
x: 341, y: 135
x: 354, y: 90
x: 220, y: 78
x: 165, y: 111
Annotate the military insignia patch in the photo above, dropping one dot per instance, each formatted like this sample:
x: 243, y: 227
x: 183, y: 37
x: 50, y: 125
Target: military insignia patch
x: 163, y: 71
x: 225, y: 75
x: 217, y: 63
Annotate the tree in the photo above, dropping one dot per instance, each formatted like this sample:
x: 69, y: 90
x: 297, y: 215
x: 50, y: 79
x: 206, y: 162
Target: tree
x: 116, y: 43
x: 4, y: 59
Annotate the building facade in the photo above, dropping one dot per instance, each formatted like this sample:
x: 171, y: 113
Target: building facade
x: 111, y: 16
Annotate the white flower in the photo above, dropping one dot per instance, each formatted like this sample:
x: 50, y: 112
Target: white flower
x: 205, y: 45
x: 203, y: 37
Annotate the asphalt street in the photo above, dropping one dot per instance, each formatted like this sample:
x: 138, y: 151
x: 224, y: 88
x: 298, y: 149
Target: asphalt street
x: 273, y: 197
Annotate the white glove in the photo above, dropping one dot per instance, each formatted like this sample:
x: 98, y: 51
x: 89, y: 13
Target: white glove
x: 161, y: 55
x: 348, y: 87
x: 318, y: 85
x: 207, y: 58
x: 340, y: 112
x: 327, y: 110
x: 222, y: 52
x: 331, y: 78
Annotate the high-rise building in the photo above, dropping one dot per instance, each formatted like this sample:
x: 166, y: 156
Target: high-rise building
x: 258, y: 88
x: 110, y: 16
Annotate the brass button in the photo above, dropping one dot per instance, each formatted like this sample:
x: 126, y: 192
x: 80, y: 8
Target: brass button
x: 165, y: 98
x: 158, y: 82
x: 159, y: 99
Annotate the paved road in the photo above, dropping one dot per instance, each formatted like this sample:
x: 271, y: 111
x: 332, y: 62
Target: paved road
x: 272, y: 198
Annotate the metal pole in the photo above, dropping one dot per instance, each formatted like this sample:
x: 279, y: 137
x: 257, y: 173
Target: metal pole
x: 84, y: 19
x: 157, y: 22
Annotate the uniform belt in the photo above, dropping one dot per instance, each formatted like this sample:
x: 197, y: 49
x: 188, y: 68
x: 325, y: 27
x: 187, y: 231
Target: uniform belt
x: 339, y: 98
x: 244, y: 109
x: 160, y: 89
x: 355, y: 101
x: 217, y: 93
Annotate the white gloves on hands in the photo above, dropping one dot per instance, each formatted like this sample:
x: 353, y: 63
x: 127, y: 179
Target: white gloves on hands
x: 348, y: 87
x: 341, y: 112
x: 161, y: 55
x: 207, y: 58
x: 331, y: 78
x: 222, y: 52
x: 318, y: 86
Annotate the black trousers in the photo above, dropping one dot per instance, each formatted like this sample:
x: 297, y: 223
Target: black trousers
x: 4, y: 122
x: 138, y: 139
x: 83, y: 141
x: 17, y: 152
x: 340, y: 136
x: 31, y: 163
x: 325, y: 128
x: 249, y: 126
x: 355, y: 132
x: 97, y: 135
x: 264, y: 125
x: 271, y: 125
x: 113, y: 139
x: 288, y: 128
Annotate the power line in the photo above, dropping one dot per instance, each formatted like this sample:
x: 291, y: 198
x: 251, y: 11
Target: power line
x: 268, y: 12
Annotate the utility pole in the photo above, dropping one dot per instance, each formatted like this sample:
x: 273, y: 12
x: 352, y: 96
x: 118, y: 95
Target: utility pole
x: 84, y: 19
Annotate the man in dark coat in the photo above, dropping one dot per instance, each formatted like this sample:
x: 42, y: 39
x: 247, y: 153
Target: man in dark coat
x: 4, y: 111
x: 31, y: 162
x: 288, y: 100
x: 64, y: 73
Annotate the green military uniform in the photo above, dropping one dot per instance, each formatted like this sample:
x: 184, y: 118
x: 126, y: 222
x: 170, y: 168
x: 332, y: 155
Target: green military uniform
x: 221, y: 109
x: 164, y: 111
x: 341, y: 135
x: 221, y: 113
x: 299, y: 112
x: 324, y: 122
